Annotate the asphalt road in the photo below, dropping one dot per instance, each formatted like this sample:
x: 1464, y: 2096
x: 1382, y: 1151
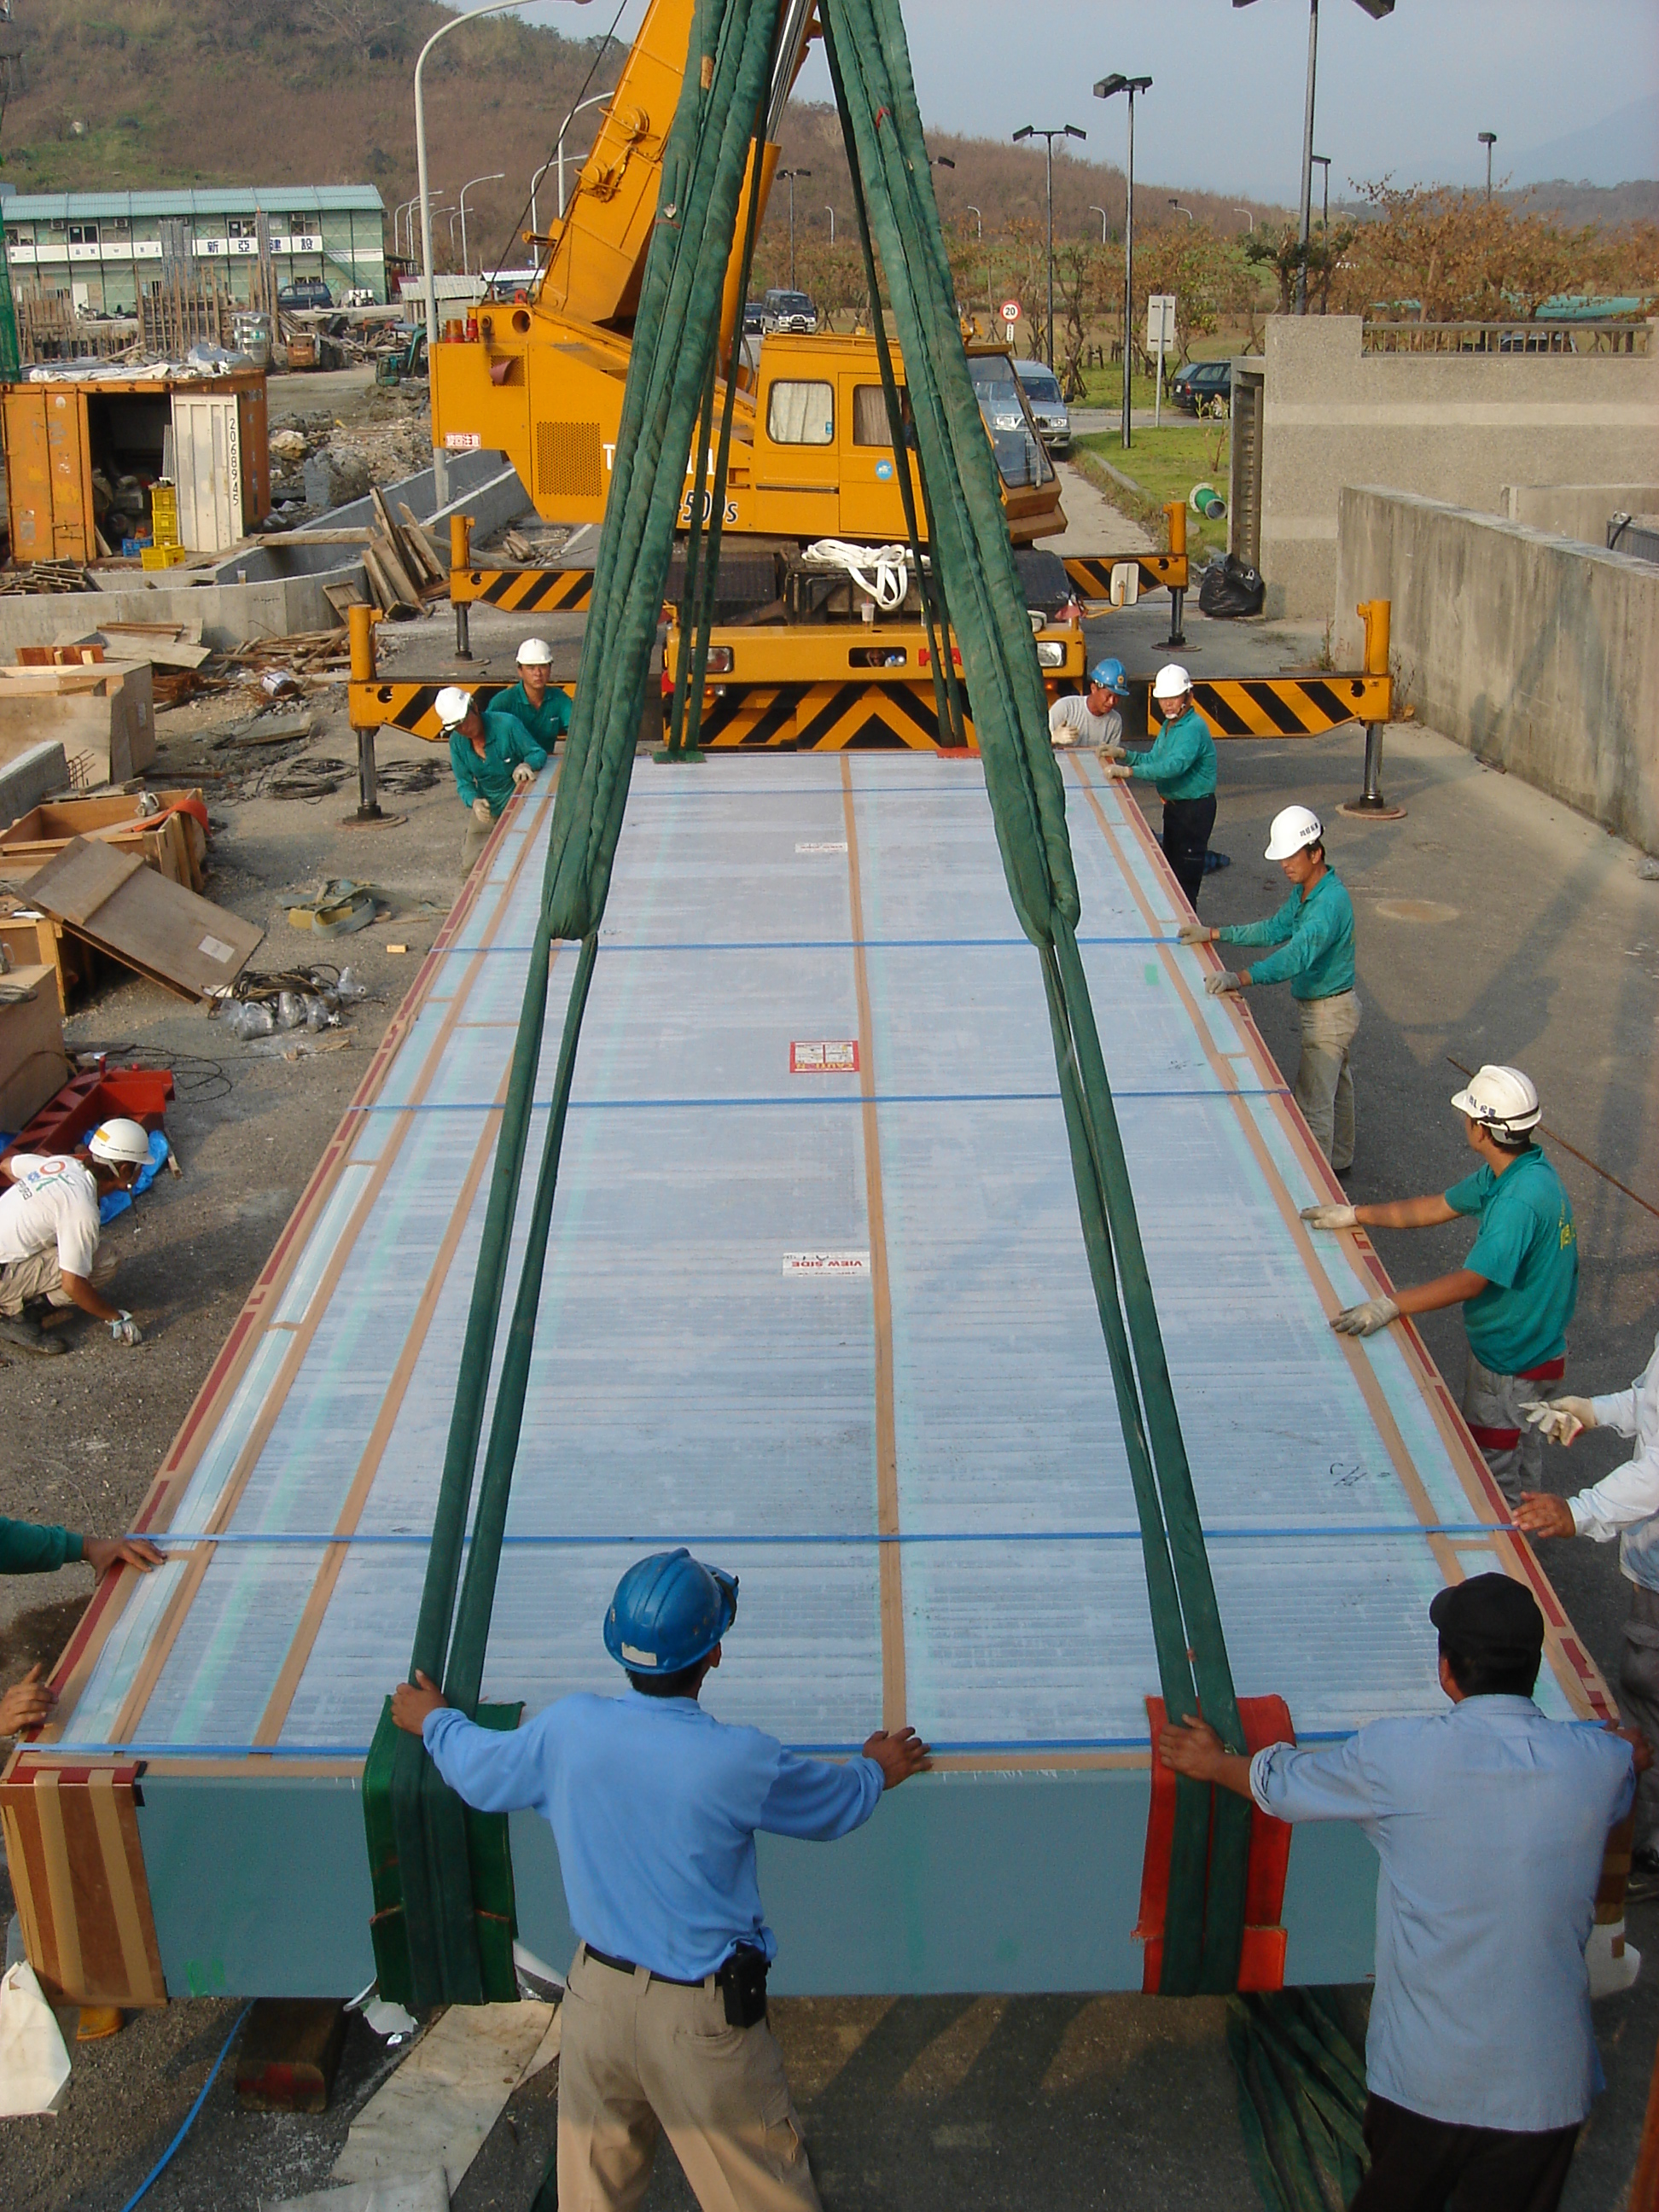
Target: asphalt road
x: 1493, y: 924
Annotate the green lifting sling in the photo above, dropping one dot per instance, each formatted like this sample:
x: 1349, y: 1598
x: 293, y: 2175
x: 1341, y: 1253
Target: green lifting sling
x: 442, y: 1876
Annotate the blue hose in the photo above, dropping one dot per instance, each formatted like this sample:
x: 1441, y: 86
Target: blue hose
x: 162, y: 2163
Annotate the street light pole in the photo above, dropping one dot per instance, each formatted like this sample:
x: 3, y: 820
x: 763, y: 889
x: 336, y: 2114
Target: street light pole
x: 1323, y: 161
x: 439, y: 465
x: 830, y: 212
x: 496, y: 177
x: 597, y: 100
x: 979, y: 221
x: 1104, y: 90
x: 1377, y: 10
x: 1249, y: 218
x: 1101, y: 212
x: 1059, y: 130
x: 791, y: 174
x: 1488, y: 139
x: 1179, y: 210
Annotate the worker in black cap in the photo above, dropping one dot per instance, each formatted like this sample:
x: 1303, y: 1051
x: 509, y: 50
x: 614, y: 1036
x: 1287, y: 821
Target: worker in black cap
x: 1490, y: 1821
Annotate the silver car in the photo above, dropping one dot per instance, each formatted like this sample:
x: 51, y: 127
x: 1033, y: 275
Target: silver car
x: 1048, y: 409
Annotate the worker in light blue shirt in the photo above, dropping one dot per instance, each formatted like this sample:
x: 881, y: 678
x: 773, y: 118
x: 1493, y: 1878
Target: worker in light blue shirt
x: 1314, y: 930
x: 1491, y: 1823
x: 1519, y: 1285
x: 1181, y: 765
x: 655, y: 1805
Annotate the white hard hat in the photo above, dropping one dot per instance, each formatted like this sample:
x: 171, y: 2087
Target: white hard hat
x: 1293, y: 828
x: 121, y: 1142
x: 1501, y: 1098
x: 1171, y: 681
x: 535, y: 652
x: 454, y: 706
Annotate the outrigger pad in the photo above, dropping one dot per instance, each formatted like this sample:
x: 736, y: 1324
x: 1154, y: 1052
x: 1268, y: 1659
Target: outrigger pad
x: 427, y: 1950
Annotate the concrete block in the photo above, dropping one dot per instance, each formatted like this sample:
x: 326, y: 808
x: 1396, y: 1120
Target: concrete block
x: 104, y: 717
x: 1581, y: 511
x: 28, y: 776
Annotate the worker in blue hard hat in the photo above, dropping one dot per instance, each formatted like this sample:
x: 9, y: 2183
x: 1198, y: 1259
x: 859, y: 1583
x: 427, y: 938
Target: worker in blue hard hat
x: 1180, y: 766
x: 1092, y: 718
x: 655, y: 1806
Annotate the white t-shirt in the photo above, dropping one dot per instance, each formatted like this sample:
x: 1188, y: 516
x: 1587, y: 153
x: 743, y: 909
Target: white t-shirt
x: 1070, y: 723
x: 51, y: 1200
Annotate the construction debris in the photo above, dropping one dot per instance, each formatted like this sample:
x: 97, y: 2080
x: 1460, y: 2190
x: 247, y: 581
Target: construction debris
x: 126, y: 909
x: 445, y: 2098
x: 47, y: 576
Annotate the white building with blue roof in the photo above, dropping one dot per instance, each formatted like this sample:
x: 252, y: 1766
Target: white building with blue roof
x: 101, y: 249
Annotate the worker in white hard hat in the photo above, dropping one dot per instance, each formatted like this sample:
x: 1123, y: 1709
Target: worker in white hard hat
x: 1314, y: 930
x: 535, y: 700
x: 1181, y: 765
x: 1518, y: 1286
x: 49, y: 1233
x: 493, y: 756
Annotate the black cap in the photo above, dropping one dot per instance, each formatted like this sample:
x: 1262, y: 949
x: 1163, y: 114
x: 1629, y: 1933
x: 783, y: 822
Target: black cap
x: 1490, y: 1616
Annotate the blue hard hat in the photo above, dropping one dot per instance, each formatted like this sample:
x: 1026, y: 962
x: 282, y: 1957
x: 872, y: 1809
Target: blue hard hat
x: 1110, y: 675
x: 669, y: 1612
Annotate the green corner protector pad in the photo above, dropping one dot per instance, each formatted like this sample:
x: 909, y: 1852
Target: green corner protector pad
x: 443, y: 1891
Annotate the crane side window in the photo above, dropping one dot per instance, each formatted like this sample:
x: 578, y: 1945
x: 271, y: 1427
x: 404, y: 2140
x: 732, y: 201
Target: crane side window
x: 801, y: 414
x: 870, y: 414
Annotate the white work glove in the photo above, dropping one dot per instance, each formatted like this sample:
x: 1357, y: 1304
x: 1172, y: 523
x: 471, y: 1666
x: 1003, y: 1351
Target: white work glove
x: 124, y: 1330
x: 1365, y: 1320
x: 1114, y: 771
x: 1192, y: 932
x: 523, y: 774
x: 1331, y: 1217
x: 481, y: 809
x: 1226, y: 981
x: 1559, y: 1419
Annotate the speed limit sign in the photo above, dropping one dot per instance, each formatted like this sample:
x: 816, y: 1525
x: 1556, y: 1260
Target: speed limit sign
x: 1010, y: 311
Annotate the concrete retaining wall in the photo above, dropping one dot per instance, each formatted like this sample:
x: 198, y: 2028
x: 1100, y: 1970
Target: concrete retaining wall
x: 1580, y: 511
x: 1457, y: 426
x: 1539, y: 654
x: 230, y: 614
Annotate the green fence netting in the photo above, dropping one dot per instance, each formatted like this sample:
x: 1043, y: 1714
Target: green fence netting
x: 428, y: 1918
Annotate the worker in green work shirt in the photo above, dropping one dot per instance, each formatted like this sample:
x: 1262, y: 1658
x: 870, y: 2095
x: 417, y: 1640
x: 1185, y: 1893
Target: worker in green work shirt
x: 493, y: 756
x: 535, y: 701
x: 1181, y: 765
x: 30, y: 1547
x: 1313, y: 932
x: 1518, y: 1288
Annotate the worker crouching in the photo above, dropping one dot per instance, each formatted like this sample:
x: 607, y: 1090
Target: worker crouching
x: 535, y: 702
x: 655, y: 1805
x: 1314, y: 933
x: 492, y: 756
x: 50, y: 1232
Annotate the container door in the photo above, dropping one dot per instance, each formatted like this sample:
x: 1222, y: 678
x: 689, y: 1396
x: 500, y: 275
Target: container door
x: 48, y: 481
x: 207, y: 450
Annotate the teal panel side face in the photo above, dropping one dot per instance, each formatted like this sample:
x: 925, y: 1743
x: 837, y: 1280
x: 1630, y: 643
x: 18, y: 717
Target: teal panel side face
x: 259, y: 1887
x: 1330, y: 1905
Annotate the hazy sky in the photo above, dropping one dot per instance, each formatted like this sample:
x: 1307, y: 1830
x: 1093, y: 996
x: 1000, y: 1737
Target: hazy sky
x: 1404, y: 95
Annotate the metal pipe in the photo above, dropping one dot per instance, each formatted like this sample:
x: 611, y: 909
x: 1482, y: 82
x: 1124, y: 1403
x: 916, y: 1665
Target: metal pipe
x: 1307, y: 158
x: 1101, y: 212
x: 495, y: 177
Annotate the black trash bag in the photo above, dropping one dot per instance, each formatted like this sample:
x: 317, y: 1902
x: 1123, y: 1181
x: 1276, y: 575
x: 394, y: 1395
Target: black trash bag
x: 1231, y: 588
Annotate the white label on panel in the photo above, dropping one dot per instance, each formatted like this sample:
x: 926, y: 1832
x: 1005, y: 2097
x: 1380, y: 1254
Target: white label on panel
x: 826, y: 1263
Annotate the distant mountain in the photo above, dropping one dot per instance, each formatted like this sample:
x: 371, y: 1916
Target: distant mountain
x: 1622, y: 149
x: 1609, y: 207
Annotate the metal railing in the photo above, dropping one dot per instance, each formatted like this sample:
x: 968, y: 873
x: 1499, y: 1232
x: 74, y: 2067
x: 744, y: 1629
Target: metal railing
x: 1574, y: 337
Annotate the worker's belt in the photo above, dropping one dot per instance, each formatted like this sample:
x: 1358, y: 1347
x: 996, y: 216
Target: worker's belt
x: 741, y: 1981
x: 629, y: 1966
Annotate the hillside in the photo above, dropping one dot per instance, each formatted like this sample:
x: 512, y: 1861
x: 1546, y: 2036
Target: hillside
x: 118, y: 95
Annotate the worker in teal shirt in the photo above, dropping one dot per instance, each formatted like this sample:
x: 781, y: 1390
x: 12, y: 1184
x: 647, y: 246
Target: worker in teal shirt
x: 534, y: 701
x: 1314, y: 930
x: 33, y: 1548
x: 1181, y: 765
x: 1518, y: 1286
x: 655, y: 1806
x: 493, y: 756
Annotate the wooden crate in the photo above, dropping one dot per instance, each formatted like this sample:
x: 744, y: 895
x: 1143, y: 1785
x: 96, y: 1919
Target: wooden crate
x: 32, y: 1067
x: 174, y: 843
x: 32, y: 938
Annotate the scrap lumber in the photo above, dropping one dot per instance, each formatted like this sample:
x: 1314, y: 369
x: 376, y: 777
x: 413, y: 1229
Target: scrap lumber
x: 171, y: 935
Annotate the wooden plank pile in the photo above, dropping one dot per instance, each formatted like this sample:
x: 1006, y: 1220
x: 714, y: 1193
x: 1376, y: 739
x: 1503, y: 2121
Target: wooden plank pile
x: 47, y: 576
x: 402, y: 563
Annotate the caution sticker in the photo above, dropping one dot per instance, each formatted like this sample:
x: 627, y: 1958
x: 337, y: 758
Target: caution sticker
x: 840, y: 848
x: 826, y: 1263
x: 824, y: 1056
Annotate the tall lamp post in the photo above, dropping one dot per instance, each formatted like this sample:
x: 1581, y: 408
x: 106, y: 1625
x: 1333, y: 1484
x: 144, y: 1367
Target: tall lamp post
x: 1101, y: 212
x: 1060, y: 131
x: 1104, y: 90
x: 1249, y: 218
x: 791, y: 174
x: 1322, y: 163
x: 830, y: 212
x: 979, y: 221
x: 599, y: 100
x: 1377, y: 10
x: 496, y: 177
x: 1186, y: 211
x: 1488, y: 139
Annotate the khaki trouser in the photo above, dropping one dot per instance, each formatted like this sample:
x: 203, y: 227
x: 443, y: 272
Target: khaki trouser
x: 1510, y: 1447
x: 37, y: 1276
x: 1324, y: 1081
x: 478, y: 834
x: 1639, y: 1703
x: 639, y: 2056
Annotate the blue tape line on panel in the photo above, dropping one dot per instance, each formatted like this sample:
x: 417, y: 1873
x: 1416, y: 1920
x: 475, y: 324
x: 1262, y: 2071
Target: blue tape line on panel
x: 1266, y: 1533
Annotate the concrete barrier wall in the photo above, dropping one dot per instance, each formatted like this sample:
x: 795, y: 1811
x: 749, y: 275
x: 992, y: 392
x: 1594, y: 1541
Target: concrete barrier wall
x: 1580, y: 511
x: 1540, y: 655
x: 1457, y: 426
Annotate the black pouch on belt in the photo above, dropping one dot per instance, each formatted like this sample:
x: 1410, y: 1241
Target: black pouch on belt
x: 742, y: 1981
